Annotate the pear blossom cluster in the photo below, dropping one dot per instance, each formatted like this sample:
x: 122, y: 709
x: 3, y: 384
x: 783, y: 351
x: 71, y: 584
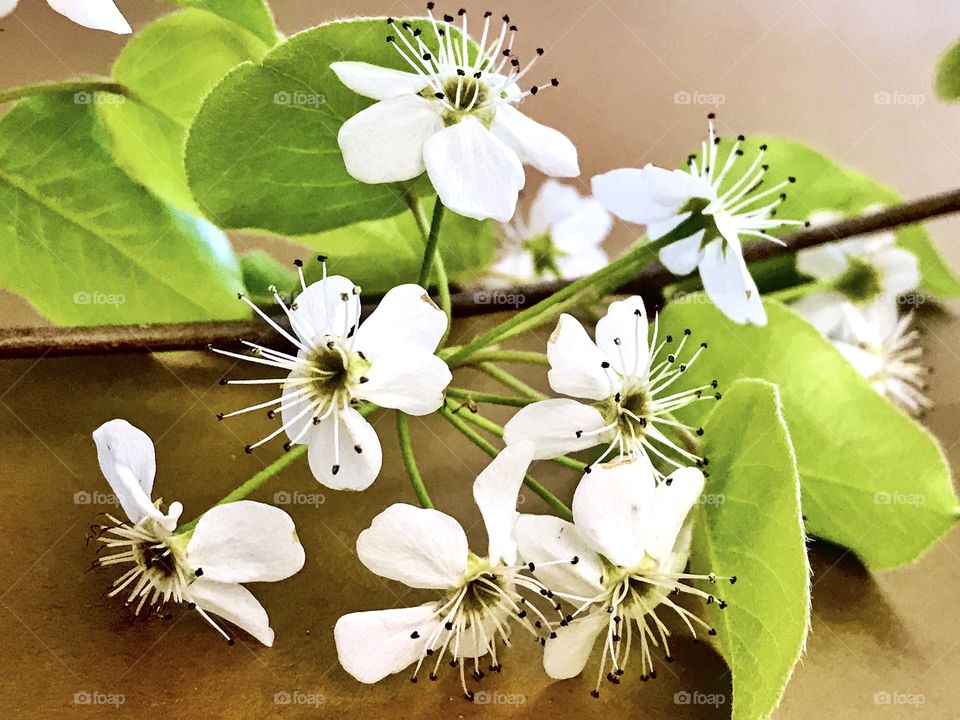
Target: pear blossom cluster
x: 592, y: 587
x: 857, y: 291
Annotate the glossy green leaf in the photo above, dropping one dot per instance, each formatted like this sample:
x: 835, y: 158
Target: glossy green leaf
x: 749, y: 527
x: 262, y: 151
x: 873, y: 479
x: 947, y: 83
x: 170, y: 65
x: 380, y: 254
x: 823, y: 184
x: 252, y: 15
x: 86, y: 244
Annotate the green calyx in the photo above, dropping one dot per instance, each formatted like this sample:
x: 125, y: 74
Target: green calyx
x: 861, y: 282
x: 468, y: 96
x: 545, y: 254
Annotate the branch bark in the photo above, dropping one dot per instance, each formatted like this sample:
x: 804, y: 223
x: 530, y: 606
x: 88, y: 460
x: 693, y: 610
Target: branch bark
x: 649, y: 283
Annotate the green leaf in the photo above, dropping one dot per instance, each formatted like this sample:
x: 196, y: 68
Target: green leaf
x: 873, y: 479
x: 87, y: 245
x: 380, y: 254
x: 947, y: 83
x: 824, y: 185
x: 252, y: 15
x: 170, y: 66
x: 261, y: 272
x: 262, y: 151
x: 749, y: 527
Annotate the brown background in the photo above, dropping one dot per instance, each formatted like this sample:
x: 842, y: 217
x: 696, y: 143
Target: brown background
x: 807, y: 69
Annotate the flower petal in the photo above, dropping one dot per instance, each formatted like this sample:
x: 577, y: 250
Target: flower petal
x: 683, y: 256
x: 577, y: 265
x: 128, y: 462
x: 335, y: 459
x: 405, y: 318
x: 372, y: 645
x: 673, y: 499
x: 585, y: 228
x: 327, y: 307
x: 900, y: 269
x: 475, y: 173
x: 728, y: 283
x: 235, y: 604
x: 411, y: 381
x: 495, y: 491
x: 545, y: 539
x: 385, y: 142
x: 824, y: 262
x: 245, y: 541
x: 7, y: 7
x: 378, y: 83
x: 552, y: 426
x: 566, y: 655
x: 555, y: 202
x: 622, y: 336
x: 612, y: 509
x: 825, y: 311
x: 648, y: 196
x: 548, y: 150
x: 576, y: 362
x: 416, y: 546
x: 94, y: 14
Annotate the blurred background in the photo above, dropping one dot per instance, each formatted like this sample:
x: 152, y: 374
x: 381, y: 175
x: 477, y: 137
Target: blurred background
x: 851, y: 79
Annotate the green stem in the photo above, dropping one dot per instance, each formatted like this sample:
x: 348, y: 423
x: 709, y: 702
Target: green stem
x: 431, y: 251
x: 586, y: 290
x: 255, y: 482
x: 89, y: 85
x: 548, y: 497
x: 513, y: 356
x: 479, y: 397
x: 508, y: 380
x: 410, y: 461
x: 491, y: 427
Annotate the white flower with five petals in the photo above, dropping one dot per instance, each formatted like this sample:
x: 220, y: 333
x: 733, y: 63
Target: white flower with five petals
x: 858, y: 272
x: 710, y: 210
x: 628, y: 381
x: 454, y: 116
x: 204, y: 567
x: 479, y: 598
x: 560, y: 238
x: 94, y: 14
x: 618, y: 563
x: 388, y: 360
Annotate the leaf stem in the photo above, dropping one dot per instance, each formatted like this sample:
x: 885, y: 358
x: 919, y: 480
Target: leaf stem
x: 512, y: 356
x: 431, y: 251
x: 410, y: 461
x: 548, y: 497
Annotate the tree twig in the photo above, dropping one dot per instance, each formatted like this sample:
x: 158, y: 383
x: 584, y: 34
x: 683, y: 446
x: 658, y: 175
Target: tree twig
x: 648, y: 283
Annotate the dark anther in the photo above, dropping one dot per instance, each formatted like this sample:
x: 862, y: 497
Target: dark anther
x: 414, y: 635
x: 733, y: 580
x: 438, y: 95
x: 364, y: 379
x: 712, y: 632
x: 700, y: 431
x: 198, y: 572
x: 555, y: 82
x: 248, y: 450
x: 534, y: 90
x: 703, y: 345
x: 335, y: 469
x: 298, y: 262
x: 357, y: 449
x: 712, y: 116
x: 391, y: 38
x: 461, y: 72
x: 579, y: 434
x: 669, y: 338
x: 717, y: 396
x: 791, y: 179
x: 448, y: 625
x: 219, y: 416
x: 741, y: 138
x: 287, y: 446
x: 604, y: 364
x: 668, y: 481
x: 595, y: 693
x: 531, y: 566
x: 575, y: 560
